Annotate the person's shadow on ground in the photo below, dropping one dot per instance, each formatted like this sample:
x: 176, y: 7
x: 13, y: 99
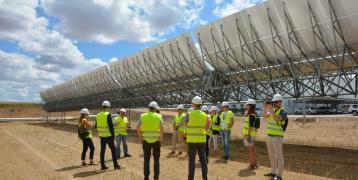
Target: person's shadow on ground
x: 88, y: 173
x: 69, y: 168
x: 246, y: 173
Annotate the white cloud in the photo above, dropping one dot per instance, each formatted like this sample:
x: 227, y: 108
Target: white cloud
x: 109, y: 21
x: 218, y: 1
x: 225, y: 9
x: 51, y: 52
x: 54, y: 58
x: 20, y: 78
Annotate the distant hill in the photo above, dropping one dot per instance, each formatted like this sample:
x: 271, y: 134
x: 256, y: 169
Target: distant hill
x: 20, y: 104
x: 20, y: 109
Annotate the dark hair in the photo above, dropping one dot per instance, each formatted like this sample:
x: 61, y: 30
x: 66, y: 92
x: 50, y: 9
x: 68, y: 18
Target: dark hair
x: 81, y: 118
x: 251, y: 109
x: 152, y: 109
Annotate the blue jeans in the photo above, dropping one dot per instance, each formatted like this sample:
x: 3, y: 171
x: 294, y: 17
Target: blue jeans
x: 121, y: 139
x: 225, y: 136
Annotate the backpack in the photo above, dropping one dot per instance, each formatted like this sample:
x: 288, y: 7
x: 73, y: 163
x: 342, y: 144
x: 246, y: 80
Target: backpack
x: 257, y: 123
x: 82, y: 131
x: 284, y: 125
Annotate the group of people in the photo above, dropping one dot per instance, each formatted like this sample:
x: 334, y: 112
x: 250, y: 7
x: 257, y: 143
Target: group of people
x: 198, y: 127
x: 109, y: 131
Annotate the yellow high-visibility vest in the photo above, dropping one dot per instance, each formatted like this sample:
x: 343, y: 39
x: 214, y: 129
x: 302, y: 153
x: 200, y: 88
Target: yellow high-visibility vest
x: 102, y: 125
x: 195, y: 129
x: 121, y: 127
x: 274, y: 128
x: 178, y: 118
x: 227, y: 120
x: 245, y: 129
x: 150, y: 126
x: 214, y: 120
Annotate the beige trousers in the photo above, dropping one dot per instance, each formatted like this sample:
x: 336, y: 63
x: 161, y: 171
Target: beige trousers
x: 274, y: 147
x: 177, y: 138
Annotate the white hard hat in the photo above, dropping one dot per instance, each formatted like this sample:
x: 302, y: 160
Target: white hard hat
x: 225, y: 103
x: 106, y: 104
x: 123, y: 110
x: 251, y: 101
x: 277, y: 97
x: 180, y: 107
x: 197, y: 100
x: 157, y: 107
x: 204, y: 108
x: 84, y: 111
x: 153, y: 104
x: 213, y: 108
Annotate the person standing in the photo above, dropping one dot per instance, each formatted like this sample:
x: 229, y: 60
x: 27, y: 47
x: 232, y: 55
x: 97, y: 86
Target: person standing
x: 227, y: 121
x: 150, y: 131
x: 215, y: 128
x: 249, y: 132
x: 87, y: 141
x: 205, y: 109
x: 178, y: 131
x: 104, y: 126
x: 120, y: 130
x: 197, y: 123
x: 277, y: 121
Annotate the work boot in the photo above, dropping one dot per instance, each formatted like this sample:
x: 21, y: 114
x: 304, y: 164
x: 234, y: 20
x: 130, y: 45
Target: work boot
x: 252, y: 167
x: 104, y: 167
x: 277, y: 178
x: 91, y: 163
x: 270, y: 175
x: 84, y: 163
x: 127, y: 155
x: 171, y: 153
x: 117, y: 167
x: 180, y: 153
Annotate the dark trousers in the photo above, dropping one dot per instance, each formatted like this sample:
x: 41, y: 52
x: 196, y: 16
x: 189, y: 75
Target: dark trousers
x: 87, y: 143
x: 147, y: 149
x: 110, y: 142
x: 207, y: 147
x: 193, y: 148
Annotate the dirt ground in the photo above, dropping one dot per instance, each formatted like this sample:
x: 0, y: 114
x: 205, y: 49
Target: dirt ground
x: 26, y: 110
x: 52, y: 151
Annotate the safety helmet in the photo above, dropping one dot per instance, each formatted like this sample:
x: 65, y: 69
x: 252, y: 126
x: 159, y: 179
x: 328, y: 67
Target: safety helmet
x: 157, y: 107
x: 106, y: 104
x: 213, y: 108
x: 153, y: 104
x: 84, y: 111
x: 123, y: 110
x: 180, y: 107
x: 225, y: 103
x: 204, y: 108
x: 277, y: 97
x: 250, y: 101
x: 197, y: 100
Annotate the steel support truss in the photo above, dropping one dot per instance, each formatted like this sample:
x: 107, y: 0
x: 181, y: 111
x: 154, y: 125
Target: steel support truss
x: 292, y: 80
x: 242, y: 65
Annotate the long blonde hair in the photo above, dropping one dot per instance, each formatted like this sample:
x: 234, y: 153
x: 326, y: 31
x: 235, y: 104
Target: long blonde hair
x: 83, y: 116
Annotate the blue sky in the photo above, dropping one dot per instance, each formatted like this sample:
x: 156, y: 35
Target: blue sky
x: 46, y: 42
